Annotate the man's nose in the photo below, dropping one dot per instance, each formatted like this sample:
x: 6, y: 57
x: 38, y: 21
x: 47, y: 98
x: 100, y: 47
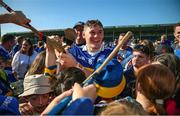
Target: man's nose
x: 40, y: 100
x: 96, y: 35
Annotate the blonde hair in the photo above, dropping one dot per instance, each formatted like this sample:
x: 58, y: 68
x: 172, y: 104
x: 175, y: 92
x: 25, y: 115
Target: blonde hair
x: 38, y: 65
x: 123, y: 108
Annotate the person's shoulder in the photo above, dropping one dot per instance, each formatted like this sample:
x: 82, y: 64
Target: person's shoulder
x: 17, y: 53
x: 108, y: 48
x: 129, y: 70
x: 16, y: 46
x: 4, y: 53
x: 77, y: 46
x: 129, y: 48
x: 105, y: 51
x: 35, y: 53
x: 81, y: 106
x: 2, y: 48
x: 9, y: 105
x: 74, y: 48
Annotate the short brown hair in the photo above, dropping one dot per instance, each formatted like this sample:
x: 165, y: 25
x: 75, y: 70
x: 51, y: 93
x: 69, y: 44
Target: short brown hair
x: 123, y: 108
x: 92, y: 23
x: 67, y: 77
x: 7, y: 37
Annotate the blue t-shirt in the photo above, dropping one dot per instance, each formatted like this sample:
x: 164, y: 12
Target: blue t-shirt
x: 39, y: 49
x: 125, y: 53
x: 4, y: 53
x: 177, y: 52
x: 9, y: 106
x: 82, y: 56
x: 81, y: 106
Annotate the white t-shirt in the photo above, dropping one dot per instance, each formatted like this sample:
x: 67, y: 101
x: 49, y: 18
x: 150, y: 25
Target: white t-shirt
x: 21, y: 63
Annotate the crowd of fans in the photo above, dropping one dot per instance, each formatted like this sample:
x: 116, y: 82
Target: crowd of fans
x: 141, y: 79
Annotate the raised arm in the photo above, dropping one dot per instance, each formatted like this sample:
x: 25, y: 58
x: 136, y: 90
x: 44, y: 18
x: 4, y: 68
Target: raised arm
x: 16, y: 17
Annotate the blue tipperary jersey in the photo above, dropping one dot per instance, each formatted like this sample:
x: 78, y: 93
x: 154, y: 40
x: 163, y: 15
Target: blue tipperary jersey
x: 177, y: 52
x: 4, y: 53
x: 8, y: 69
x: 82, y: 56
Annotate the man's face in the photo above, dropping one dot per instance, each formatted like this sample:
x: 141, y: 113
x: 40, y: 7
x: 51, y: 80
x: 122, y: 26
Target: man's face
x: 177, y: 33
x: 139, y: 59
x: 94, y: 37
x: 79, y: 30
x: 11, y: 44
x: 39, y: 102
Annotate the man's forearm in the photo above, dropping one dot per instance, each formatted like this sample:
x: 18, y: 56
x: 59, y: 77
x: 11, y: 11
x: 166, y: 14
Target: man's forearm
x: 5, y: 18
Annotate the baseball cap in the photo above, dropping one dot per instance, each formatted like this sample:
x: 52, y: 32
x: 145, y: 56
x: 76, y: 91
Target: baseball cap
x: 80, y: 23
x: 36, y: 84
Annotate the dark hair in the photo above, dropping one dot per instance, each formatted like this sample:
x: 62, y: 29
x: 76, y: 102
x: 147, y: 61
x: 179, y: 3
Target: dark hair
x: 67, y: 41
x: 19, y: 39
x: 173, y: 63
x: 7, y: 37
x: 142, y: 48
x: 40, y: 43
x: 68, y: 76
x: 150, y: 46
x: 30, y: 52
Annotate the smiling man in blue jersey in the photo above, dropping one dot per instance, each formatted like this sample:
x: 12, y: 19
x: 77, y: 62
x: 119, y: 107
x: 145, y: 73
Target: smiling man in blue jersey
x: 86, y: 56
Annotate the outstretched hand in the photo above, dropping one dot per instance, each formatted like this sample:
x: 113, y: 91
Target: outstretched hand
x: 25, y: 109
x: 66, y: 59
x: 56, y: 101
x: 18, y: 17
x: 88, y: 91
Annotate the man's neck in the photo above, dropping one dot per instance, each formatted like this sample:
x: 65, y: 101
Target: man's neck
x: 93, y: 51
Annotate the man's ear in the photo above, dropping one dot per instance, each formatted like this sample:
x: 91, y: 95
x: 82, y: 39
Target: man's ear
x: 83, y: 34
x: 174, y: 34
